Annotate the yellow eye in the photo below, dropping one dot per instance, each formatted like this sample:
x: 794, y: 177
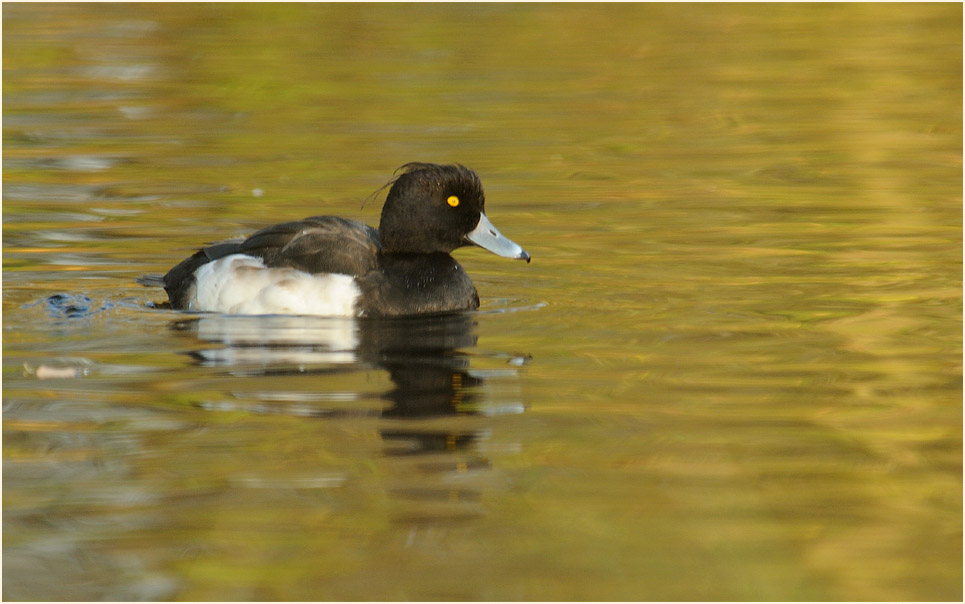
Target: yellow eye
x: 453, y: 200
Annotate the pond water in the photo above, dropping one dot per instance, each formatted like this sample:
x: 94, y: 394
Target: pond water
x: 733, y: 370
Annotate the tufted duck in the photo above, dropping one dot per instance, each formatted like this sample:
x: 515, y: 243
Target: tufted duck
x: 326, y: 265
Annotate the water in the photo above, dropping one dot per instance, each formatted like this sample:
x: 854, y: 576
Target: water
x: 732, y: 370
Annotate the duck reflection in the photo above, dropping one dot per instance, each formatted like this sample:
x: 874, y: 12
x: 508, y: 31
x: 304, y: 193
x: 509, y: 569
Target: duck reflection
x: 428, y: 361
x: 427, y: 358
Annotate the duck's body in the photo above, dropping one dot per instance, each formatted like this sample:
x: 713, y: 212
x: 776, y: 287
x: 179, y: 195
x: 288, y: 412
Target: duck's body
x: 326, y: 265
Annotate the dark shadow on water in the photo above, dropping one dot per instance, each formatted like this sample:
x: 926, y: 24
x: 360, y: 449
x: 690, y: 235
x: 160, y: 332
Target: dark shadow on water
x: 436, y: 409
x: 427, y: 359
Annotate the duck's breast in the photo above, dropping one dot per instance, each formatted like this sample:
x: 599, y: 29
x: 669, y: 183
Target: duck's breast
x: 416, y: 284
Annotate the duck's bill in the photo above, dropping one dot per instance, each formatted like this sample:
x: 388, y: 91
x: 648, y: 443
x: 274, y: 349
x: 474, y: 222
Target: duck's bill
x: 486, y: 236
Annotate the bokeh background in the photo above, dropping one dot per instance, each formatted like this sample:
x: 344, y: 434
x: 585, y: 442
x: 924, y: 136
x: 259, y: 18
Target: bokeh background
x: 731, y: 372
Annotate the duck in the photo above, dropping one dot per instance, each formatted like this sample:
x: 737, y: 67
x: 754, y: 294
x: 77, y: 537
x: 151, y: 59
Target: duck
x: 334, y: 266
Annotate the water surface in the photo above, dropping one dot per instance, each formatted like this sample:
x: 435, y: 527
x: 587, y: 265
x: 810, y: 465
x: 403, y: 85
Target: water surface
x: 732, y: 370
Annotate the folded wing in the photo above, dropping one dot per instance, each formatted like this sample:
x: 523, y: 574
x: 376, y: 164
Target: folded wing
x: 320, y: 244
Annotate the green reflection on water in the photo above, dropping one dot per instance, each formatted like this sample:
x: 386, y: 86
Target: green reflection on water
x: 746, y: 230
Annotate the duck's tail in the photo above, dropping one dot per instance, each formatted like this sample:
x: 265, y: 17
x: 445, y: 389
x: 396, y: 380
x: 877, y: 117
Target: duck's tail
x: 151, y: 280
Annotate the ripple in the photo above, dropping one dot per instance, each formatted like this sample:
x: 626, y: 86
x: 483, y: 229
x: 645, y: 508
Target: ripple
x: 507, y: 305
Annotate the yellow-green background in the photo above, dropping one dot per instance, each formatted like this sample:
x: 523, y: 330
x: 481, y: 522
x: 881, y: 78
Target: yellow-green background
x: 742, y: 322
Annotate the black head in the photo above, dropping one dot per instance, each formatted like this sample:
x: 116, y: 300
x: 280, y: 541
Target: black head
x: 434, y: 208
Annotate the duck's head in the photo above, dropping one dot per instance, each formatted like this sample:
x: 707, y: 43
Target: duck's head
x: 435, y: 208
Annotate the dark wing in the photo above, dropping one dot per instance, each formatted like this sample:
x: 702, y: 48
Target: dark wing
x: 321, y: 244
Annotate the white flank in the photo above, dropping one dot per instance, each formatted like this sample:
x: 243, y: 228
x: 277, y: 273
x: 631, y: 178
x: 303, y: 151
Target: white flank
x: 242, y: 285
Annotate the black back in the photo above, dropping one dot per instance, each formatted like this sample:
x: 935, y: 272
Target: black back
x: 320, y: 244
